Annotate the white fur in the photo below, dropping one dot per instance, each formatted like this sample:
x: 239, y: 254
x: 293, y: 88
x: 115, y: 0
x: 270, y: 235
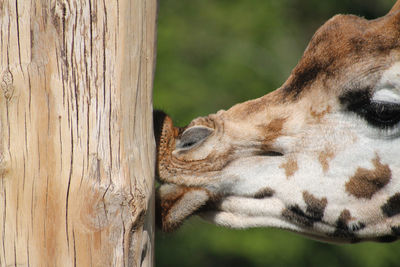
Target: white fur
x: 388, y: 87
x: 355, y: 144
x: 387, y: 95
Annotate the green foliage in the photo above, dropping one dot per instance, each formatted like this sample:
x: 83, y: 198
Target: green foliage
x: 198, y: 243
x: 215, y: 53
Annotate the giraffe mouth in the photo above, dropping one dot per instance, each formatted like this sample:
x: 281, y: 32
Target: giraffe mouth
x: 175, y: 203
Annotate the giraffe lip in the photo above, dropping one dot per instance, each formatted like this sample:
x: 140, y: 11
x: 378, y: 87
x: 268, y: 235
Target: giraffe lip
x: 210, y: 205
x: 176, y: 203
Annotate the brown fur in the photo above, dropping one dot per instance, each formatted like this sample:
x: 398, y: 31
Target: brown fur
x: 324, y: 157
x: 170, y: 166
x: 290, y: 167
x: 392, y: 206
x: 318, y: 115
x: 345, y: 217
x: 263, y: 193
x: 204, y: 121
x: 296, y: 215
x: 342, y: 227
x: 365, y: 183
x: 164, y: 204
x: 336, y: 45
x: 272, y: 130
x: 315, y: 206
x: 250, y: 107
x: 314, y: 211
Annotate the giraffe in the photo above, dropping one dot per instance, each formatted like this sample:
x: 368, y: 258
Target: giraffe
x: 319, y: 156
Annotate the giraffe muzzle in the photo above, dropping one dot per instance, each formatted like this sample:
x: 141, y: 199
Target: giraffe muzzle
x: 174, y: 203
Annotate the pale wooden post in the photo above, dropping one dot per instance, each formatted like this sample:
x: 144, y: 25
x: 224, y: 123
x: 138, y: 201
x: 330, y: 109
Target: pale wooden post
x: 77, y: 146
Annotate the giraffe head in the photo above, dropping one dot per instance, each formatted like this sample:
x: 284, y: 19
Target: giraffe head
x: 319, y: 156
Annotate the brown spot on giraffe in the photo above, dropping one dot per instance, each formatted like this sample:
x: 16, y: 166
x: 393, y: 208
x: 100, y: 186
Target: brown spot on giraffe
x: 272, y: 130
x: 314, y: 211
x: 265, y: 192
x: 290, y: 167
x: 342, y: 227
x: 392, y: 206
x: 393, y: 236
x: 315, y: 206
x: 344, y: 217
x: 324, y: 158
x: 296, y: 215
x: 396, y: 230
x: 365, y: 183
x: 318, y: 115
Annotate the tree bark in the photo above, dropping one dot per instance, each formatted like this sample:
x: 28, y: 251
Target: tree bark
x: 76, y: 146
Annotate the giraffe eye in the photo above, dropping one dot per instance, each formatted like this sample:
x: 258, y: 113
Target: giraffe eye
x: 378, y: 113
x: 381, y: 114
x: 193, y: 136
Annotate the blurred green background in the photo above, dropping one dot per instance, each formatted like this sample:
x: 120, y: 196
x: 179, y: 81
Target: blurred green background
x: 212, y: 54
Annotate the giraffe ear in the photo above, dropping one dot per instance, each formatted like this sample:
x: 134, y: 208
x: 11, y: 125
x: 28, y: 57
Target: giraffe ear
x: 395, y: 8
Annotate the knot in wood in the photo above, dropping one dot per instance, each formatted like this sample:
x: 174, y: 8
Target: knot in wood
x: 7, y: 84
x: 59, y: 14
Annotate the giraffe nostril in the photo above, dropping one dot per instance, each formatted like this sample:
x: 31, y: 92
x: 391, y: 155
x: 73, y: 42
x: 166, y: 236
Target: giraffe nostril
x: 193, y: 136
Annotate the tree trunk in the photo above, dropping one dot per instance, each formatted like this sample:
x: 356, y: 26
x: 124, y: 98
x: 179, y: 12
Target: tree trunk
x: 77, y: 146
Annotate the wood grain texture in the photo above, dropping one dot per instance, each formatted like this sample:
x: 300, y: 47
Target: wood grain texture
x: 76, y: 146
